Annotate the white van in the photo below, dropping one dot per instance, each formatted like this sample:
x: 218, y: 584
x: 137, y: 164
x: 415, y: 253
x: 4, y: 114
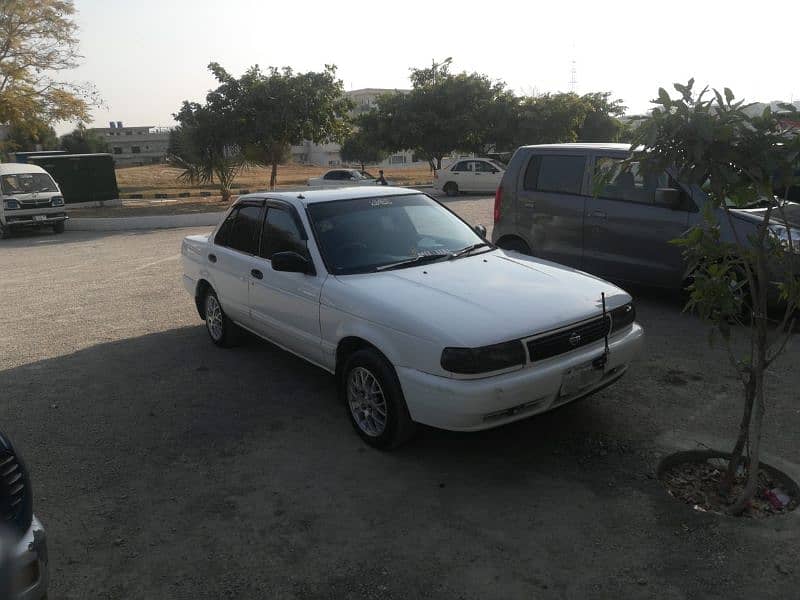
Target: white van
x: 30, y: 198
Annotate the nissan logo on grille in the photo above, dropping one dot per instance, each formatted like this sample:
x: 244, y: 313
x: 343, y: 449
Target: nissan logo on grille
x: 575, y: 339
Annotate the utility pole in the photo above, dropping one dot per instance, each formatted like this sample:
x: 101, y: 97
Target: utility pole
x: 573, y: 71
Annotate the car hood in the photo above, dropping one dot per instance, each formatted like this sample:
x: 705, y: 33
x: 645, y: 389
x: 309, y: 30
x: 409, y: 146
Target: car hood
x: 477, y: 300
x: 791, y: 210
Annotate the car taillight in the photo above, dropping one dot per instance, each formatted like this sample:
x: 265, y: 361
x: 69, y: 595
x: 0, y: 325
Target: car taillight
x: 498, y: 201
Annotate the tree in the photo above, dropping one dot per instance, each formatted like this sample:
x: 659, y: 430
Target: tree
x: 37, y: 41
x: 734, y: 160
x: 36, y: 135
x: 83, y: 141
x: 276, y: 109
x: 204, y: 147
x: 568, y: 117
x: 363, y: 146
x: 446, y: 112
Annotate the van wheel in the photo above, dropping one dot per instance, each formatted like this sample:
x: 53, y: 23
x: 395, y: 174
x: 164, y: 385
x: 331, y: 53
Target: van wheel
x: 515, y: 244
x: 451, y: 189
x: 374, y: 400
x: 59, y: 227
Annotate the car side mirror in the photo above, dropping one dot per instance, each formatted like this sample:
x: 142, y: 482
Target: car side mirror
x: 291, y: 262
x: 480, y: 230
x: 668, y: 198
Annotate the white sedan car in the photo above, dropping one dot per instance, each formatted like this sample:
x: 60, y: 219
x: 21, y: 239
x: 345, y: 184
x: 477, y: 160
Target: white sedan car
x: 419, y: 318
x: 343, y: 177
x: 469, y: 175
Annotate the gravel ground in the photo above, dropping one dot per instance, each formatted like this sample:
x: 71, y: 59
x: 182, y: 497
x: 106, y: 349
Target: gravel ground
x: 167, y: 468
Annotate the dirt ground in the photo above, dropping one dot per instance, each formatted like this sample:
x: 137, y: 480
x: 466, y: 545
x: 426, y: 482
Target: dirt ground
x: 163, y: 179
x: 165, y: 467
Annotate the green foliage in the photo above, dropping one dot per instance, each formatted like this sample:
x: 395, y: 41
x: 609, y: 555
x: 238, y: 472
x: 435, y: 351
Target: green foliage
x: 271, y: 111
x: 733, y: 156
x: 37, y: 41
x: 36, y: 134
x: 363, y: 146
x: 82, y: 141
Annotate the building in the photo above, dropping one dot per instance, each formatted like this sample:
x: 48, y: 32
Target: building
x: 327, y: 155
x: 135, y: 146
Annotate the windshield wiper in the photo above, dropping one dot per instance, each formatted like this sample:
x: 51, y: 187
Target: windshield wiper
x: 468, y: 249
x: 417, y: 260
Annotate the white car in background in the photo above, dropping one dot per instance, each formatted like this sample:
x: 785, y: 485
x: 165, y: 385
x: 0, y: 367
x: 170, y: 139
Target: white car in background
x: 469, y: 175
x: 419, y: 318
x: 343, y: 177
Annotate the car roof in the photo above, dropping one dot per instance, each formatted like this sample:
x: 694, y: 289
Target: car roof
x: 582, y: 146
x: 16, y: 168
x: 306, y: 197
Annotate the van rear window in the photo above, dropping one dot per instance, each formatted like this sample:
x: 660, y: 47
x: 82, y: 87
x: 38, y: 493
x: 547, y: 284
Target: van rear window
x: 555, y: 174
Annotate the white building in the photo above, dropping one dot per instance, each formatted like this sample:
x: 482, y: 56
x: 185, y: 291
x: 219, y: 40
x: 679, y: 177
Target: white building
x: 327, y: 155
x: 135, y: 146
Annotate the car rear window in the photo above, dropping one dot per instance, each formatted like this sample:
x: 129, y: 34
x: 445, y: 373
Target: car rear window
x: 554, y: 173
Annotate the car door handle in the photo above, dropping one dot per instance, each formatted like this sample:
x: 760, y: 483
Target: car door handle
x: 256, y: 274
x: 599, y: 214
x: 212, y: 258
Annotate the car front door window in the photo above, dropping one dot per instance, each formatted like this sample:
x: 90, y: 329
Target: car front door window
x: 282, y: 234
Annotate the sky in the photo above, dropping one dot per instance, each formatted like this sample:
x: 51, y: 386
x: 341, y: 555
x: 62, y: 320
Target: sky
x: 146, y: 56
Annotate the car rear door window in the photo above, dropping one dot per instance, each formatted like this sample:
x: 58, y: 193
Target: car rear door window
x: 628, y: 184
x: 555, y: 174
x: 484, y: 167
x: 241, y: 229
x: 464, y: 165
x: 281, y: 234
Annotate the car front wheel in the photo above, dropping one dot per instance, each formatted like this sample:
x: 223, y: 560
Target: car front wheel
x: 375, y: 401
x: 451, y: 189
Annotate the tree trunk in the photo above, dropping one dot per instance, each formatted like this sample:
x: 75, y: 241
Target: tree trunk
x: 273, y: 176
x: 438, y: 163
x: 363, y: 167
x: 226, y: 194
x: 744, y: 428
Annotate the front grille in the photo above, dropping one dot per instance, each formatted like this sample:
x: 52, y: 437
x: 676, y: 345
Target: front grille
x: 569, y: 339
x: 26, y: 204
x: 15, y: 498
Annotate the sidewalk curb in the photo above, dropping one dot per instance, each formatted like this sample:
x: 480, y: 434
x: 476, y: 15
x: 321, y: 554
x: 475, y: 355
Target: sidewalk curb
x: 145, y: 222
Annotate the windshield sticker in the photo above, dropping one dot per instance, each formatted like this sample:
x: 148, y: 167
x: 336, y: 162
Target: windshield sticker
x: 380, y: 202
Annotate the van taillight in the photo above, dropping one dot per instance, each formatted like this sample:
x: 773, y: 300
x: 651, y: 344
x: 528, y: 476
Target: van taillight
x: 498, y: 200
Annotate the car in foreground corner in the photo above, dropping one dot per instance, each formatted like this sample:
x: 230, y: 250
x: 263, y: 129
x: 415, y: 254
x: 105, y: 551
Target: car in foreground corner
x: 23, y: 543
x: 420, y: 319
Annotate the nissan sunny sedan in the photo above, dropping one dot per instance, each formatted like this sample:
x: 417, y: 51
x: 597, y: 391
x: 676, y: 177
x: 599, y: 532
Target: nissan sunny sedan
x: 418, y: 316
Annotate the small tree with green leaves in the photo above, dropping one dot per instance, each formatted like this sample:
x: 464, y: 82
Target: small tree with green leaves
x: 733, y: 158
x: 364, y: 146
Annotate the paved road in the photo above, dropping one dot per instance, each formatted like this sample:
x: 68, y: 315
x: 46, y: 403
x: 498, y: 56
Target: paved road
x: 167, y: 468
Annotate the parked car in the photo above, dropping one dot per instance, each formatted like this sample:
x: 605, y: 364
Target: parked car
x: 343, y: 177
x: 30, y: 198
x: 469, y: 175
x: 546, y: 206
x: 420, y: 319
x: 23, y: 542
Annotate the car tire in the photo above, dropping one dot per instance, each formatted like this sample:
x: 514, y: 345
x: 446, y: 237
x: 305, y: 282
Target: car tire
x: 222, y: 331
x: 451, y: 189
x: 368, y: 382
x: 514, y: 244
x: 4, y: 232
x: 59, y: 227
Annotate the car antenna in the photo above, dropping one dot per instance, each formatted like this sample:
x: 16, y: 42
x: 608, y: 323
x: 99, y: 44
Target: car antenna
x: 605, y: 316
x: 301, y: 197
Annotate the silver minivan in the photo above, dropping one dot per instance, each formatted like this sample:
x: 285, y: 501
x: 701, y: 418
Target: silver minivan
x: 29, y: 197
x: 547, y: 206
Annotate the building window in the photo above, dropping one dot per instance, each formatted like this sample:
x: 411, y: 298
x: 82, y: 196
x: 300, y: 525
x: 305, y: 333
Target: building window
x: 136, y: 150
x: 117, y: 150
x: 397, y: 159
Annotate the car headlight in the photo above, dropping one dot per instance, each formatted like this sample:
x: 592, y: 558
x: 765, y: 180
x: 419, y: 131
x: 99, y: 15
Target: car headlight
x: 622, y: 317
x: 469, y: 361
x: 11, y: 204
x: 57, y: 201
x: 789, y: 237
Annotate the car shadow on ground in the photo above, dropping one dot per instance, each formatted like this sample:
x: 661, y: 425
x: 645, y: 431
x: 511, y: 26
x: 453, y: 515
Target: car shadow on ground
x: 170, y: 456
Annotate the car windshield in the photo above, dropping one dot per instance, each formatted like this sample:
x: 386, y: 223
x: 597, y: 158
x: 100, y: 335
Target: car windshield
x: 27, y: 183
x: 365, y: 234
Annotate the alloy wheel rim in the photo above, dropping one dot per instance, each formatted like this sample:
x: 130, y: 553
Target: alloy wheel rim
x: 214, y: 317
x: 367, y: 401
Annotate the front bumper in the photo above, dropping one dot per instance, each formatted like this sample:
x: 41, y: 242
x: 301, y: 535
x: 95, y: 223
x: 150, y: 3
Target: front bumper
x: 30, y: 561
x: 475, y: 404
x: 34, y: 219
